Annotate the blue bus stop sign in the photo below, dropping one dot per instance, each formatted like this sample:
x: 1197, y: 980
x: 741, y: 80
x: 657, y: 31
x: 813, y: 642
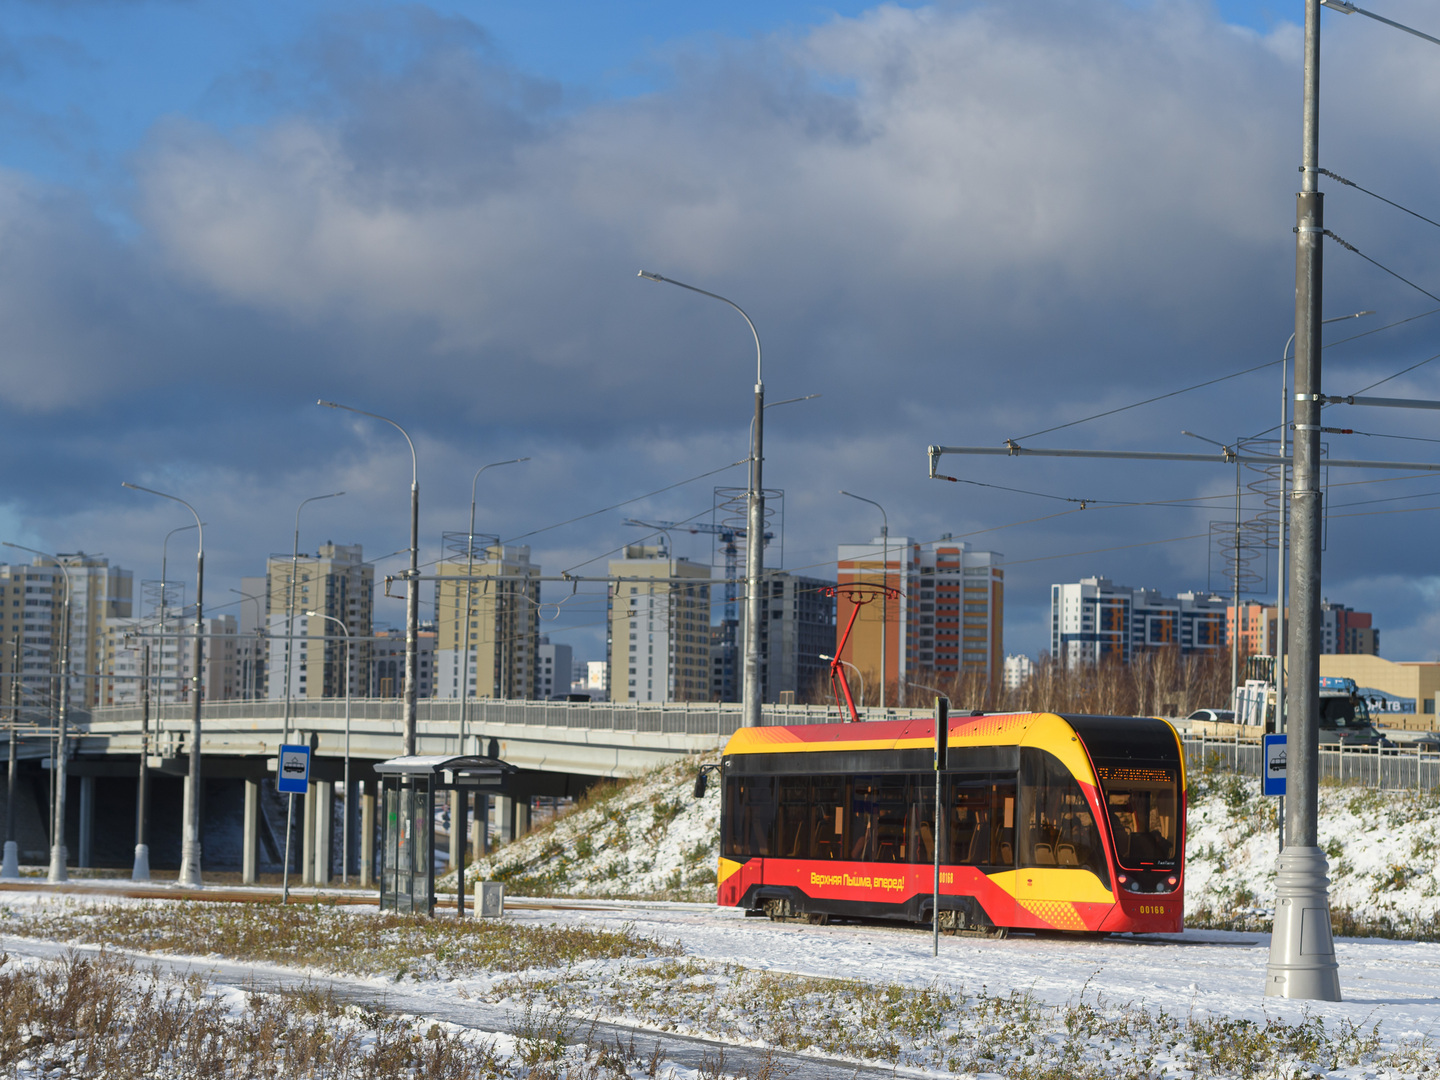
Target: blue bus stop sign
x: 294, y: 775
x: 1274, y: 775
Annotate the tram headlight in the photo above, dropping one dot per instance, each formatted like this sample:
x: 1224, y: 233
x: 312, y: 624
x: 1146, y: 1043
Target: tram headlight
x: 1123, y: 879
x: 1172, y: 881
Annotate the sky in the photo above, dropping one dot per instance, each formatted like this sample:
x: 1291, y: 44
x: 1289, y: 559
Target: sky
x: 958, y: 223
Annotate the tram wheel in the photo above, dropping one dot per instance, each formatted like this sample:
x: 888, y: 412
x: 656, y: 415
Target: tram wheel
x: 819, y: 920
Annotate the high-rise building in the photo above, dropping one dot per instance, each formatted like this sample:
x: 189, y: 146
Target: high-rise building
x: 387, y: 663
x: 658, y: 636
x: 1018, y: 669
x: 338, y: 582
x: 1094, y: 619
x: 554, y: 670
x: 949, y: 617
x: 504, y: 624
x: 32, y: 605
x: 171, y: 644
x: 1343, y: 630
x: 797, y: 624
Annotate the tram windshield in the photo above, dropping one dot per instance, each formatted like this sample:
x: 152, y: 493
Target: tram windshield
x: 1138, y: 768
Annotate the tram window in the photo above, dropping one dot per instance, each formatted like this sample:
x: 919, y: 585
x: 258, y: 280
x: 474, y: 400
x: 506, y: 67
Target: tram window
x: 792, y: 839
x: 920, y: 821
x: 827, y: 818
x: 1142, y: 804
x: 969, y: 822
x: 1057, y: 824
x: 864, y: 818
x: 749, y: 815
x: 890, y: 814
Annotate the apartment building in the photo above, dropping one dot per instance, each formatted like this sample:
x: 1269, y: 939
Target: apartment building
x: 797, y: 625
x: 1094, y: 619
x: 336, y: 581
x: 503, y: 624
x: 948, y: 616
x: 167, y: 640
x: 658, y: 629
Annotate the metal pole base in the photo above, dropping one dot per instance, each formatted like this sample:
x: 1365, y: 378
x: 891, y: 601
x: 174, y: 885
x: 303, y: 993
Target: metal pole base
x: 58, y: 855
x: 10, y: 868
x: 190, y: 865
x: 1302, y: 953
x: 142, y: 863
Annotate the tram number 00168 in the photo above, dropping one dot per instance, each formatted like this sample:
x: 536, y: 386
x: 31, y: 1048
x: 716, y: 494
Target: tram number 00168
x: 1150, y: 909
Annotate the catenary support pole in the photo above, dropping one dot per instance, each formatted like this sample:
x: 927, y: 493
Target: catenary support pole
x: 141, y: 869
x: 1302, y: 954
x: 10, y: 867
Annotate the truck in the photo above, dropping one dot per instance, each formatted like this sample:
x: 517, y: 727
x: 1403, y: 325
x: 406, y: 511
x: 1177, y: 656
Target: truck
x: 1344, y: 715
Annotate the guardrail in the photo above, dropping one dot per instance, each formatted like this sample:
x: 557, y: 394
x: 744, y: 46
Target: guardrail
x: 669, y: 718
x: 1399, y: 768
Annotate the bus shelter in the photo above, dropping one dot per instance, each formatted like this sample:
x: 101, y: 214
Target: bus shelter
x: 407, y: 837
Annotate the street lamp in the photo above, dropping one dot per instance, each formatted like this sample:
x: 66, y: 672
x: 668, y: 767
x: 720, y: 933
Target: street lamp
x: 59, y: 762
x: 10, y: 868
x: 345, y: 798
x: 1302, y: 955
x: 885, y: 585
x: 853, y: 668
x: 412, y: 581
x: 754, y: 543
x: 164, y: 563
x: 190, y: 844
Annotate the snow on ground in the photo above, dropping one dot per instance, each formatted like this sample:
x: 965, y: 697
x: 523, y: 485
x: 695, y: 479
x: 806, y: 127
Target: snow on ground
x: 1382, y: 847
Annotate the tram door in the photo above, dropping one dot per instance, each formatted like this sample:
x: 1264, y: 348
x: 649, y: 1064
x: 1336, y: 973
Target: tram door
x: 1060, y: 860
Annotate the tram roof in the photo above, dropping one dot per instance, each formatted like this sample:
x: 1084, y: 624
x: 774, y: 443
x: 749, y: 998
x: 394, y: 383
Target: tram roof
x: 993, y: 729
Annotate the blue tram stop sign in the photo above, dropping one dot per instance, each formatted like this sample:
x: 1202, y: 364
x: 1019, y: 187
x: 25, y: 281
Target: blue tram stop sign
x: 1273, y: 778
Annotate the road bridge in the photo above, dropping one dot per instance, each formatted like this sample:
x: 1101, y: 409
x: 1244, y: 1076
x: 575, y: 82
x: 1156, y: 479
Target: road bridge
x: 557, y: 748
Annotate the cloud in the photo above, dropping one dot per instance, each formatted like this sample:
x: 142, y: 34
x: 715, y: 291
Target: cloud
x: 960, y: 223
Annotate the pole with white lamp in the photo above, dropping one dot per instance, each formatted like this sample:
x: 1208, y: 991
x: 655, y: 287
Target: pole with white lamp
x: 755, y: 531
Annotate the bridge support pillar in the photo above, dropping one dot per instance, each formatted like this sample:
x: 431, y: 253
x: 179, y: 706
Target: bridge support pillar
x: 504, y: 818
x: 481, y: 836
x: 87, y: 821
x: 250, y: 841
x: 459, y: 824
x: 367, y: 834
x: 521, y: 819
x: 324, y: 829
x: 307, y: 838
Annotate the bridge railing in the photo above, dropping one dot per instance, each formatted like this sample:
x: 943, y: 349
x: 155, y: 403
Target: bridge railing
x: 668, y: 718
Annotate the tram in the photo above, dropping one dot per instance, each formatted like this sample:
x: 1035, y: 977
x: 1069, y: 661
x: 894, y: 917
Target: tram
x: 1049, y: 823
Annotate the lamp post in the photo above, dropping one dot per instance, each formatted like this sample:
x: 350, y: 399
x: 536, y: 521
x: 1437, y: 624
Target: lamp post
x: 164, y: 564
x: 59, y: 761
x: 345, y: 798
x: 755, y: 530
x: 412, y: 581
x: 469, y: 584
x: 10, y: 868
x: 190, y: 844
x: 885, y: 585
x: 1281, y: 554
x: 853, y: 668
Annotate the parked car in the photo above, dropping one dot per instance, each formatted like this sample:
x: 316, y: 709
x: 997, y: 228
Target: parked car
x: 1214, y: 716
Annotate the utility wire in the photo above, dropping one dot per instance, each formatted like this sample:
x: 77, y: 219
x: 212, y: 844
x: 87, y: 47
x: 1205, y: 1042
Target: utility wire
x: 1352, y: 248
x: 1373, y: 195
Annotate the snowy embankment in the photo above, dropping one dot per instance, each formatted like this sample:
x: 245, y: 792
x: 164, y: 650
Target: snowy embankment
x: 651, y: 839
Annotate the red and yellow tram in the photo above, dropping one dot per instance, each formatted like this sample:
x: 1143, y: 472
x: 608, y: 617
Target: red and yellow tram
x: 1049, y: 822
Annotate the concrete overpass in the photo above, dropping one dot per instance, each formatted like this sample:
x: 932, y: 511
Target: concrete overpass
x: 558, y: 748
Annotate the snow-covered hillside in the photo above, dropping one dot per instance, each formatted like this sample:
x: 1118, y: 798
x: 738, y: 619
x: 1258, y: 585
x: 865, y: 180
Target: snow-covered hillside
x: 1382, y: 847
x: 648, y: 839
x: 652, y: 839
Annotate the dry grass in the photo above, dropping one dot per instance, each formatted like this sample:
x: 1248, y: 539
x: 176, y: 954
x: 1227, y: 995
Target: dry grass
x: 102, y: 1017
x: 333, y: 939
